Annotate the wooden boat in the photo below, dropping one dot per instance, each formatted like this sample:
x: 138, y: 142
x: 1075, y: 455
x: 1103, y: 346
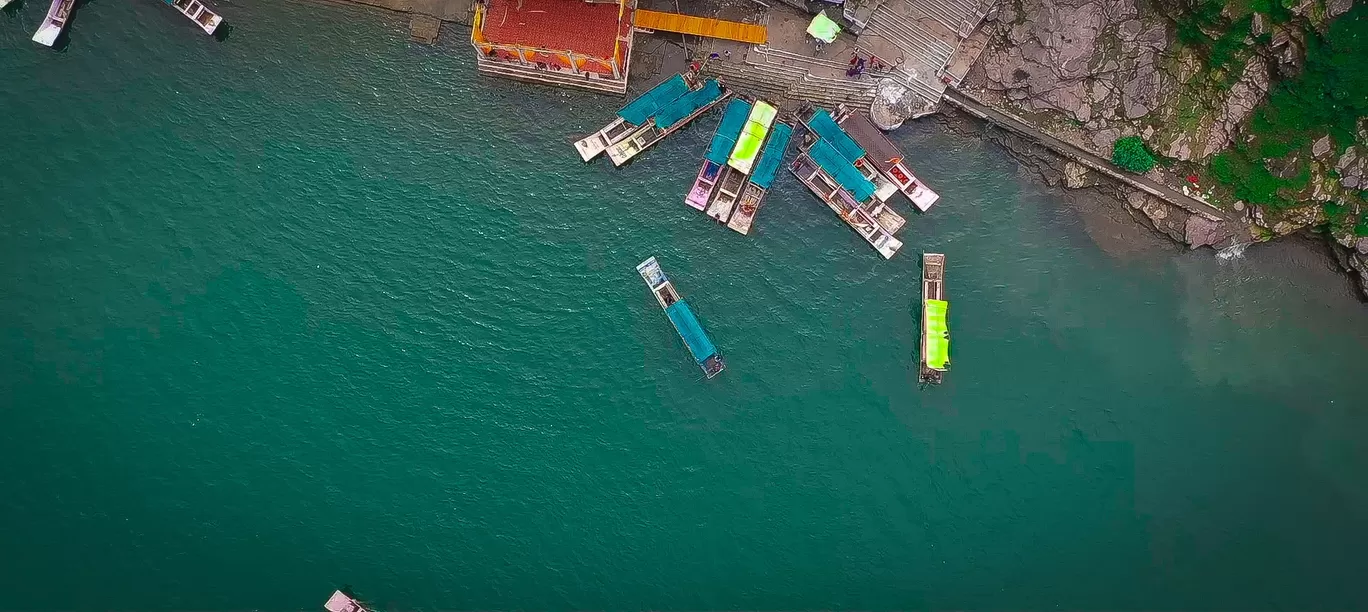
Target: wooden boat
x: 342, y: 602
x: 935, y: 335
x: 54, y: 22
x: 592, y: 145
x: 701, y: 193
x: 715, y: 160
x: 844, y: 203
x: 197, y: 12
x: 632, y: 116
x: 761, y: 179
x: 886, y: 158
x: 700, y: 346
x: 671, y: 118
x: 728, y: 192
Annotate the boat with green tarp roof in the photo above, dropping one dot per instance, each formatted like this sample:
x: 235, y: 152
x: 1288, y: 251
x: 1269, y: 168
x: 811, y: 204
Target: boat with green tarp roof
x: 935, y: 333
x: 761, y: 179
x: 728, y: 129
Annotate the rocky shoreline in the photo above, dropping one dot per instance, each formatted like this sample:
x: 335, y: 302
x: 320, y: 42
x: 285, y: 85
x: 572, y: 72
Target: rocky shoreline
x: 1091, y: 71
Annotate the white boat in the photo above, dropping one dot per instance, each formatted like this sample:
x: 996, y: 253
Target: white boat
x: 4, y: 3
x: 206, y: 19
x: 54, y: 22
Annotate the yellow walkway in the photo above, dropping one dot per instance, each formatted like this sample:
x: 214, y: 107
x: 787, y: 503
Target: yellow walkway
x: 700, y: 26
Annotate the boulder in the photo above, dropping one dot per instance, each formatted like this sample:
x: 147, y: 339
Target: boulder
x: 1200, y: 231
x: 1141, y: 93
x: 1075, y: 175
x: 1321, y: 146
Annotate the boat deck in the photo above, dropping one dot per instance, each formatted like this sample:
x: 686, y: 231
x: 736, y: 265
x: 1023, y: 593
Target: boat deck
x: 682, y: 317
x: 887, y: 158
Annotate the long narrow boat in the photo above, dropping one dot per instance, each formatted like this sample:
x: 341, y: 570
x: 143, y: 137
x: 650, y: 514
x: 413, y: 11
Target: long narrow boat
x: 206, y: 19
x: 742, y: 160
x: 761, y: 179
x: 843, y: 189
x: 887, y: 159
x: 704, y: 353
x: 728, y: 129
x: 632, y: 116
x: 54, y: 22
x: 676, y: 115
x: 935, y: 335
x: 342, y: 602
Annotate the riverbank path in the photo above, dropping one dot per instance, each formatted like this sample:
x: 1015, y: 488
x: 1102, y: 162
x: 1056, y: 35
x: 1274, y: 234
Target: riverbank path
x: 1087, y: 158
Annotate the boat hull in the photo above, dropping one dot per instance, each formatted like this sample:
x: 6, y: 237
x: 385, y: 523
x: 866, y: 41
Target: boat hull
x: 54, y: 22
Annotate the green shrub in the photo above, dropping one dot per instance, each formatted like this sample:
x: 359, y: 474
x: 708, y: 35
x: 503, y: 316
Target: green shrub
x: 1130, y: 154
x: 1361, y: 228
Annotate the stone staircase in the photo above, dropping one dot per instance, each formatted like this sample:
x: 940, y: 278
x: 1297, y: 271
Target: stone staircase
x: 961, y: 16
x: 784, y: 77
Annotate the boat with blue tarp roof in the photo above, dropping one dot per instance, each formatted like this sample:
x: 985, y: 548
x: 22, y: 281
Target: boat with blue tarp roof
x: 728, y: 129
x: 761, y: 179
x: 632, y: 116
x: 668, y: 119
x: 677, y: 310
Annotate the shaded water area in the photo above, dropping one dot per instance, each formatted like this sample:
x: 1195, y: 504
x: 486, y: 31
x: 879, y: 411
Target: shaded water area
x: 314, y: 306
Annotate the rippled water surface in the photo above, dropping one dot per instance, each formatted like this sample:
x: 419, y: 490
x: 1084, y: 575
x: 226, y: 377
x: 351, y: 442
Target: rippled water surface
x: 316, y: 307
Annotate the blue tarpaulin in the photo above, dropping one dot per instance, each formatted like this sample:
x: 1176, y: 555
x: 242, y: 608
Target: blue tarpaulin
x: 686, y: 104
x: 772, y: 157
x: 727, y: 131
x: 844, y: 172
x: 825, y: 127
x: 648, y: 104
x: 684, y: 321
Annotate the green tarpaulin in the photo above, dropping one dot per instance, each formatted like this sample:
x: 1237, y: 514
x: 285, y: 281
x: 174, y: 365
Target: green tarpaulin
x: 937, y: 335
x: 844, y: 173
x: 752, y: 136
x: 733, y: 119
x: 823, y: 28
x: 687, y: 104
x: 772, y: 157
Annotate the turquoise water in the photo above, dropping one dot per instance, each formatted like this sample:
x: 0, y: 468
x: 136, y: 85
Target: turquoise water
x: 315, y: 307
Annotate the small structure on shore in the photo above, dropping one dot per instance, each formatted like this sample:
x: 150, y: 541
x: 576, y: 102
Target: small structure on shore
x: 558, y: 42
x: 54, y: 22
x: 704, y: 353
x: 197, y: 12
x: 935, y: 334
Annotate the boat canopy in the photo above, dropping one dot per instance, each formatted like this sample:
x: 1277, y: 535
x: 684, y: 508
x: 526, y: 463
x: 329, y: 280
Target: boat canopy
x: 727, y: 131
x: 648, y: 104
x: 840, y: 169
x: 773, y: 156
x: 694, y: 336
x: 937, y: 335
x: 752, y: 137
x: 825, y: 127
x: 688, y: 104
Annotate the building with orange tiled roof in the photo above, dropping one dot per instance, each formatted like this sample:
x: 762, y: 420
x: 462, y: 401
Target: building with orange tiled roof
x: 576, y: 43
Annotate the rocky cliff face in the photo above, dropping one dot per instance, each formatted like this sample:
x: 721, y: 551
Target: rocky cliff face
x: 1092, y: 71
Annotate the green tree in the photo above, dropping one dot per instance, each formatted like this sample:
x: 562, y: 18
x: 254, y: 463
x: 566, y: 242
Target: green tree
x: 1130, y: 154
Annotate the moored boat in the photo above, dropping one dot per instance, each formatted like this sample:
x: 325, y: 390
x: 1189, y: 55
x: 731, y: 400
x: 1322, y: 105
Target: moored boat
x: 887, y: 159
x: 197, y: 12
x: 840, y: 186
x: 761, y: 179
x: 742, y: 160
x: 728, y: 129
x: 672, y: 117
x: 700, y: 346
x: 54, y: 22
x: 632, y: 116
x: 934, y: 360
